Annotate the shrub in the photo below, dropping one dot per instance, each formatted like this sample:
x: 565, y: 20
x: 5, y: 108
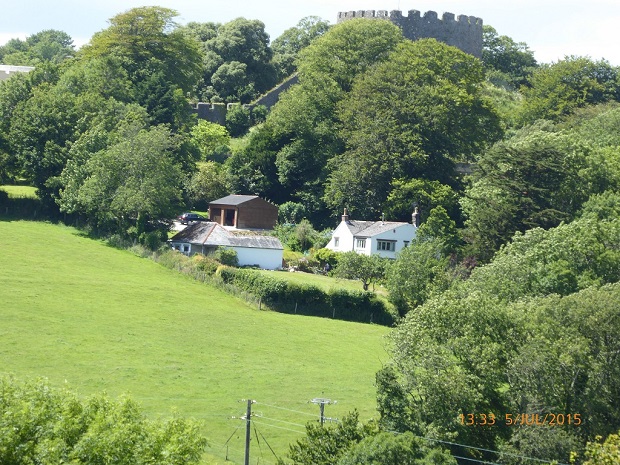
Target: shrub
x: 238, y: 120
x: 40, y: 424
x: 226, y: 256
x: 153, y: 239
x: 118, y: 241
x: 283, y: 296
x: 326, y: 257
x: 206, y: 264
x: 306, y: 264
x: 259, y: 114
x: 291, y: 212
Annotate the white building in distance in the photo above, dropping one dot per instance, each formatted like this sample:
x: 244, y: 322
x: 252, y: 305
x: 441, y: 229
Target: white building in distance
x: 383, y: 238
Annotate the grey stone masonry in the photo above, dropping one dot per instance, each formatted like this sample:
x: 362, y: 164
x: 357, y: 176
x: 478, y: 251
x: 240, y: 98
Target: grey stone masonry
x: 463, y: 32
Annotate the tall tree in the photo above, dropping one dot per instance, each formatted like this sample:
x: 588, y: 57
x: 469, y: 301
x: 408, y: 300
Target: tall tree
x: 145, y: 40
x: 46, y: 46
x: 411, y: 116
x: 134, y: 183
x: 237, y: 63
x: 300, y: 130
x: 506, y: 59
x: 531, y: 180
x: 287, y: 46
x: 557, y: 89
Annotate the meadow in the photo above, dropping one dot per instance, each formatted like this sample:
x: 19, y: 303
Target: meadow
x: 20, y: 192
x: 95, y: 318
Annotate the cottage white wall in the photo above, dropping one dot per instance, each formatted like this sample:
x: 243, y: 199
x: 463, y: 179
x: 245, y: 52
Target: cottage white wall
x: 347, y: 242
x: 268, y: 259
x: 405, y: 232
x: 362, y: 245
x: 345, y: 239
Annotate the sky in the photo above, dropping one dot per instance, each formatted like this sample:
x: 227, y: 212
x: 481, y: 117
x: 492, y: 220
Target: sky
x: 552, y: 29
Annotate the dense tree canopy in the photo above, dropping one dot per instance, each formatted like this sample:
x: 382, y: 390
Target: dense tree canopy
x: 287, y: 46
x: 237, y: 64
x: 299, y: 136
x: 133, y: 182
x: 145, y: 41
x: 556, y: 90
x: 506, y: 61
x: 46, y: 46
x: 527, y: 181
x: 42, y: 424
x: 412, y: 116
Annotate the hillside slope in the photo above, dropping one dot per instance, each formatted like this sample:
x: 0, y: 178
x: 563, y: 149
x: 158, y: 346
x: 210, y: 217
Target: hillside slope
x: 77, y: 311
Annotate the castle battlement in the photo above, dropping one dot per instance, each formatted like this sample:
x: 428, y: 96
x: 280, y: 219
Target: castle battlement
x: 464, y: 32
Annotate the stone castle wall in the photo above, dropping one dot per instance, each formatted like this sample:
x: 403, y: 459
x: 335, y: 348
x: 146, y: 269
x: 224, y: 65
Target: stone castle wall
x: 463, y: 32
x: 216, y: 112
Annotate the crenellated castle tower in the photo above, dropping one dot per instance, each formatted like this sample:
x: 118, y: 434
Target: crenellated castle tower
x: 464, y: 32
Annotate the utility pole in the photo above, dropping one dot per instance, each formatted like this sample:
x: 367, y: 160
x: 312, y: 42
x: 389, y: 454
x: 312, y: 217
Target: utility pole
x: 248, y: 421
x: 322, y: 402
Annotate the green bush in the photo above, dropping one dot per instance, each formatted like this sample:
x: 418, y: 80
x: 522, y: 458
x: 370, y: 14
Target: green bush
x: 206, y: 264
x: 304, y: 299
x: 40, y: 424
x: 226, y: 256
x: 326, y: 257
x: 153, y: 239
x: 238, y: 120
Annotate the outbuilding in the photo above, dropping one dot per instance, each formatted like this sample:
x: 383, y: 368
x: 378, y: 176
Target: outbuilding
x: 243, y: 212
x: 252, y: 250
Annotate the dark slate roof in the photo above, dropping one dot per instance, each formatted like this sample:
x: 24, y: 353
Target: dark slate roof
x: 213, y: 235
x: 195, y: 233
x: 233, y: 199
x: 259, y: 242
x: 371, y: 228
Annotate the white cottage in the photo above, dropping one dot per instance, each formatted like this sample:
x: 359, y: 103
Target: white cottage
x: 384, y: 238
x: 205, y: 236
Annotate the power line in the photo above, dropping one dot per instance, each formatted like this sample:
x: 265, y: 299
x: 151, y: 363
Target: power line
x: 484, y: 450
x: 475, y: 460
x: 288, y: 409
x: 279, y: 427
x: 280, y: 421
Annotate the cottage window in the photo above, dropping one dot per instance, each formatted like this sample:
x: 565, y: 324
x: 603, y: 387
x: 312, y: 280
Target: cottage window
x: 387, y: 246
x: 361, y: 243
x: 185, y: 248
x: 336, y: 241
x: 406, y: 243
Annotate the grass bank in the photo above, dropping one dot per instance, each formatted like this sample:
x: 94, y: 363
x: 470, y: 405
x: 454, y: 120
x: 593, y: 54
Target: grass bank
x: 77, y: 311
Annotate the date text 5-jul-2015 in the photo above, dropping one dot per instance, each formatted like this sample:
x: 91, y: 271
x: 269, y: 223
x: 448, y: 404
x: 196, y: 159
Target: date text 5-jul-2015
x: 520, y: 419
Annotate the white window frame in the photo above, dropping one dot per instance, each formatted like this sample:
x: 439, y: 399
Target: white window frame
x: 360, y: 243
x: 336, y: 242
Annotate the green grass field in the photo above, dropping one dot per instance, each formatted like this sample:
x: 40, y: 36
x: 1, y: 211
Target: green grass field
x: 77, y: 311
x: 17, y: 192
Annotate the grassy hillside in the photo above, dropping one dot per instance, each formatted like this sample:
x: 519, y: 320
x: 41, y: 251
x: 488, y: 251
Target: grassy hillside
x: 77, y: 311
x: 17, y: 192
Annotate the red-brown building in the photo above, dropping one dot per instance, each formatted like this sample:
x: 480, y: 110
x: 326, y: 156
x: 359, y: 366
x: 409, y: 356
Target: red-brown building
x: 243, y: 212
